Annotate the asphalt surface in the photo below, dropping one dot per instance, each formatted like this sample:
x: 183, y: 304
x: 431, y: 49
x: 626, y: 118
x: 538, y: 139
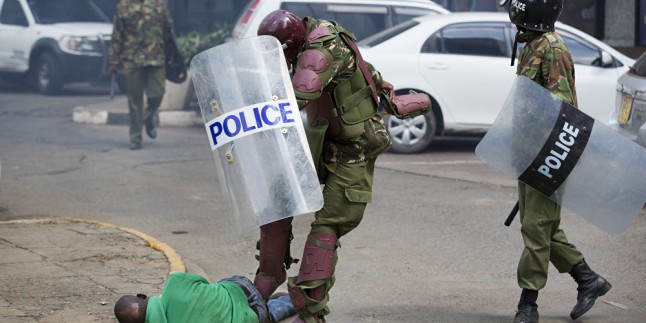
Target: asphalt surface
x: 433, y: 250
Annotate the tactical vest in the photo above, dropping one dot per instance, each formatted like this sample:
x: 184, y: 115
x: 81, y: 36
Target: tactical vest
x: 353, y: 98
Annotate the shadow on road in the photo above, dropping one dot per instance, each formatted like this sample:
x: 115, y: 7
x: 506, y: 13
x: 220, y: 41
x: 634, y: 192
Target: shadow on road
x: 72, y: 89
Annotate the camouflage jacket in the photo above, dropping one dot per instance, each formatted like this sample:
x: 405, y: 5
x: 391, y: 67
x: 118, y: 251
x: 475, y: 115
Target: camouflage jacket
x: 375, y: 138
x: 546, y: 60
x: 140, y: 30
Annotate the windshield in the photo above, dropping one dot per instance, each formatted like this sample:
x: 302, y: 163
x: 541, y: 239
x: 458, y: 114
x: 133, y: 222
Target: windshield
x: 640, y: 65
x: 51, y: 12
x: 383, y: 36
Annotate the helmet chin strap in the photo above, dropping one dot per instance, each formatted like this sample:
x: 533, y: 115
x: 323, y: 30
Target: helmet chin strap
x: 514, y: 48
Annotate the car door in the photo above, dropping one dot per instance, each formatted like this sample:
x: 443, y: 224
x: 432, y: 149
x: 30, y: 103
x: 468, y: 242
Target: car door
x: 14, y: 49
x: 468, y: 66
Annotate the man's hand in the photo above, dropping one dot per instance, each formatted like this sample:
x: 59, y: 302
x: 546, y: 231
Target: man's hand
x: 112, y: 70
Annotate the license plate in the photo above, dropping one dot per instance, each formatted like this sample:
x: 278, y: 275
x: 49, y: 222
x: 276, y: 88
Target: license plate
x: 624, y: 111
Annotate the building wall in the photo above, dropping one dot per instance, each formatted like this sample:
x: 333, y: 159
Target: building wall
x: 204, y: 15
x: 620, y: 20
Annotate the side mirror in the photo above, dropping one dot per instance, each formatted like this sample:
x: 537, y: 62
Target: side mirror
x: 606, y: 59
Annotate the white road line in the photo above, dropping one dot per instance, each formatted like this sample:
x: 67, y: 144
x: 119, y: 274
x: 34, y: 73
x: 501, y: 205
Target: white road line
x: 443, y: 162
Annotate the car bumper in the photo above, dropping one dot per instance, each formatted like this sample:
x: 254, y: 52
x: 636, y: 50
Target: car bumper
x: 79, y: 68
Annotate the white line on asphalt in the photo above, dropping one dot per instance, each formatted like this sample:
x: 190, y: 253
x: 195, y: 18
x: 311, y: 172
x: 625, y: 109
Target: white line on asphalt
x: 443, y: 162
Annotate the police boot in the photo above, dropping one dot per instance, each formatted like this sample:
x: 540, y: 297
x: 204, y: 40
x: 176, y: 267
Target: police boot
x: 274, y: 256
x: 527, y: 308
x: 591, y: 286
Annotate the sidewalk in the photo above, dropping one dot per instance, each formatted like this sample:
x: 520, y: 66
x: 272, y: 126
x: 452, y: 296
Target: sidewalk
x: 115, y: 111
x: 72, y: 270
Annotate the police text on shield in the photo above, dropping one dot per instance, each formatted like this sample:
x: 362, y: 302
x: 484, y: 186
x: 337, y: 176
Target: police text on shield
x: 249, y: 120
x: 553, y: 161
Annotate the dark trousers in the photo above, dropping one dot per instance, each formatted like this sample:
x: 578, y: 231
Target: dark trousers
x: 148, y: 80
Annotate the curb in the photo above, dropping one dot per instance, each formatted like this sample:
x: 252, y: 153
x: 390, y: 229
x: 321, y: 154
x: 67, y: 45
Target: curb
x: 173, y: 118
x: 175, y: 262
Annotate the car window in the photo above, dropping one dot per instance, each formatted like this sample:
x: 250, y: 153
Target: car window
x: 361, y: 20
x: 468, y: 39
x: 12, y: 14
x: 582, y: 52
x: 383, y: 36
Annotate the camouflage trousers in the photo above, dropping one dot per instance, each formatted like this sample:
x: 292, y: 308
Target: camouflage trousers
x: 148, y: 80
x: 544, y: 240
x: 347, y: 191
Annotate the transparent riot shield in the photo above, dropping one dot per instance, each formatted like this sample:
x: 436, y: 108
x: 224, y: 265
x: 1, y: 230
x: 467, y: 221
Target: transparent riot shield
x: 577, y: 161
x: 252, y: 120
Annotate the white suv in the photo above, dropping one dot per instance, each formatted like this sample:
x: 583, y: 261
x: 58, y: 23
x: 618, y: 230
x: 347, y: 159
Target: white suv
x: 49, y: 43
x: 361, y: 17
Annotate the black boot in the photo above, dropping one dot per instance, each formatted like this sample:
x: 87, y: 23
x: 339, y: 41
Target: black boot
x: 527, y: 308
x: 591, y: 286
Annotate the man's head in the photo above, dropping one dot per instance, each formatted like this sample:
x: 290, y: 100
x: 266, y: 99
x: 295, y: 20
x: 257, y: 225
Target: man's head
x: 131, y: 308
x: 537, y: 15
x: 288, y: 28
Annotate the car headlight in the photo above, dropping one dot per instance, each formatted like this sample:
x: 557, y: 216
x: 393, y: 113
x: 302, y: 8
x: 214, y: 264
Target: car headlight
x: 82, y: 45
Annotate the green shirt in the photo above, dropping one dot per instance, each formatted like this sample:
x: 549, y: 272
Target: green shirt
x: 189, y: 298
x: 140, y: 28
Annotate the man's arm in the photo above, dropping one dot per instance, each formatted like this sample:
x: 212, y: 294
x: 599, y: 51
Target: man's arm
x: 114, y: 52
x: 556, y: 69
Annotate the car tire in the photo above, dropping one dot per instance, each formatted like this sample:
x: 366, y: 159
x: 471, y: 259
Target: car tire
x: 47, y: 74
x: 413, y: 135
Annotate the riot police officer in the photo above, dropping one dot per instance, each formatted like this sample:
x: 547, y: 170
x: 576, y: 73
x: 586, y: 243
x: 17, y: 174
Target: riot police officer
x: 546, y: 60
x: 339, y: 92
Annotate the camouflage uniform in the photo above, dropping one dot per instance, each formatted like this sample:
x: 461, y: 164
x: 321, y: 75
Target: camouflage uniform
x: 141, y: 27
x: 345, y: 164
x: 546, y: 60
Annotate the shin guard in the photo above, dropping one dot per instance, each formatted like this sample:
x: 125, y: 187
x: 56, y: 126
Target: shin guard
x: 315, y: 277
x: 274, y: 256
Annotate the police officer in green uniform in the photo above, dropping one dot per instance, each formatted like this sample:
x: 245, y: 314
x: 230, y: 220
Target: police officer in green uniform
x: 338, y: 90
x: 141, y: 27
x: 546, y: 60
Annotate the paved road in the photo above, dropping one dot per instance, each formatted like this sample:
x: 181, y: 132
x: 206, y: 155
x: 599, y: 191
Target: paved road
x: 431, y: 248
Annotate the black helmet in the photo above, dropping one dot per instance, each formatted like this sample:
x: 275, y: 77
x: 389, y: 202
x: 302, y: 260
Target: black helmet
x: 539, y: 15
x: 288, y: 28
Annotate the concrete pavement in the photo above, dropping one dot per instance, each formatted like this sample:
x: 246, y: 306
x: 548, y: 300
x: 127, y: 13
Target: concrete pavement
x: 72, y: 270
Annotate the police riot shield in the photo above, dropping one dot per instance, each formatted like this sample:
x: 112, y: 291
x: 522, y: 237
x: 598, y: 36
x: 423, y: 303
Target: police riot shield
x: 573, y: 159
x: 252, y: 121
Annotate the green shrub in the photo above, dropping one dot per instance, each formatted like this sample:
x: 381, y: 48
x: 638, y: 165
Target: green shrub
x: 194, y: 42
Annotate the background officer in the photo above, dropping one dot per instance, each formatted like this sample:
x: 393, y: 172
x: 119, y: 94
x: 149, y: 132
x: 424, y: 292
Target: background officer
x: 546, y: 60
x: 141, y: 28
x: 339, y: 91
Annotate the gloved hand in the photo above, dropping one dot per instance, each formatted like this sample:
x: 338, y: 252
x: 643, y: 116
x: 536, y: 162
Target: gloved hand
x: 391, y: 91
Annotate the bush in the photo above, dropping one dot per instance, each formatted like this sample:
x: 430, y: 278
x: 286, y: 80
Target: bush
x: 194, y: 42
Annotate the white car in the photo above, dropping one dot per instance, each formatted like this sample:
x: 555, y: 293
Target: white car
x: 362, y: 17
x: 50, y: 43
x: 463, y: 61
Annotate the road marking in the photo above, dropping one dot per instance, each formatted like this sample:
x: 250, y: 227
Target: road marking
x: 441, y: 162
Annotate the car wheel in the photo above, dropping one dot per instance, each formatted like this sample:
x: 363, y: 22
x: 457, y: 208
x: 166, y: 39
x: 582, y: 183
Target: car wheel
x: 413, y: 135
x: 47, y: 74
